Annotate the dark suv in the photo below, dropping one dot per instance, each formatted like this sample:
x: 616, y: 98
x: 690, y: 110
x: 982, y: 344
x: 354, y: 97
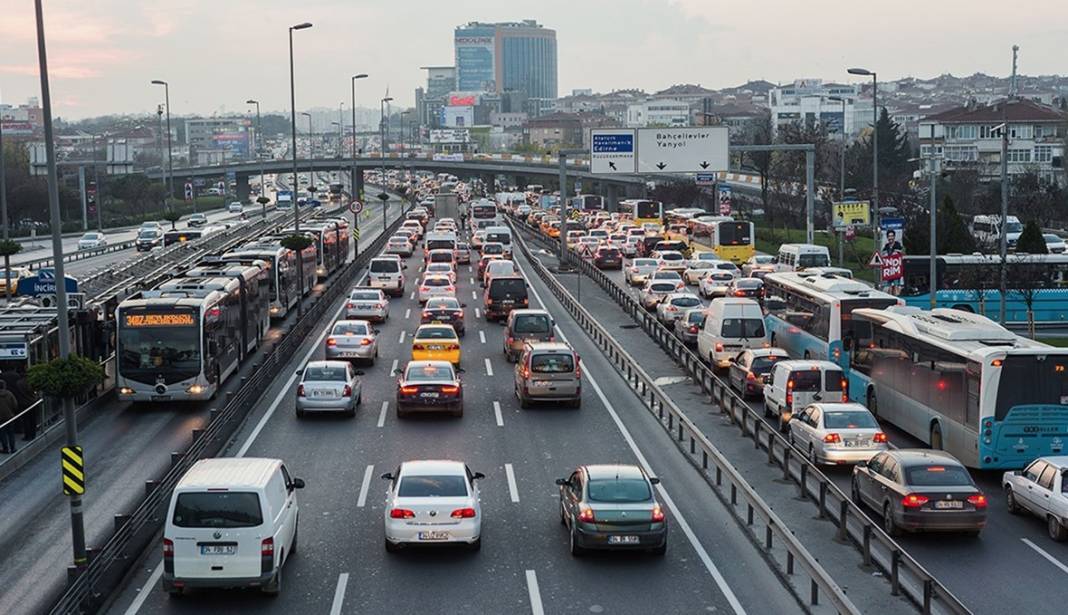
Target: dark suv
x: 503, y: 294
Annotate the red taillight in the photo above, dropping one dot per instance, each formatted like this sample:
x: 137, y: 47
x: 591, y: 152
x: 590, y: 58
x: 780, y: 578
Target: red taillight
x: 463, y: 513
x: 300, y: 390
x: 347, y: 391
x: 450, y: 389
x: 401, y: 513
x: 365, y: 341
x: 719, y: 347
x: 832, y: 438
x: 789, y: 399
x: 510, y: 339
x: 427, y: 314
x: 658, y: 513
x: 331, y: 341
x: 913, y: 500
x: 418, y: 346
x: 382, y: 306
x: 585, y: 513
x: 750, y: 376
x: 693, y: 328
x: 352, y: 306
x: 879, y: 438
x: 409, y: 390
x: 578, y: 366
x: 267, y: 547
x: 423, y: 289
x: 978, y: 500
x: 739, y: 293
x: 168, y: 547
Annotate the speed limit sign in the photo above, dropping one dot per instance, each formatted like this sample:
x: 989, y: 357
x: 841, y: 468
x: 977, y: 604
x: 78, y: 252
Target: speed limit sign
x: 356, y: 206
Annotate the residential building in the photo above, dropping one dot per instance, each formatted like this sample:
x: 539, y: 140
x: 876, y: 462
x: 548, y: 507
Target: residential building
x: 806, y: 102
x: 494, y: 57
x: 658, y: 112
x: 508, y: 121
x: 969, y: 137
x: 687, y: 93
x: 23, y: 120
x: 740, y: 120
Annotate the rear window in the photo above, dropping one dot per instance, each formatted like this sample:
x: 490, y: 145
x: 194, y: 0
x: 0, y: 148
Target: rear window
x: 504, y: 238
x: 531, y: 323
x: 427, y: 373
x: 350, y: 329
x: 686, y: 302
x: 834, y: 379
x: 609, y: 252
x: 763, y: 365
x: 493, y: 248
x: 662, y: 287
x: 217, y: 509
x: 508, y: 286
x: 364, y: 296
x: 744, y: 327
x: 853, y: 419
x: 436, y: 282
x: 436, y: 333
x: 807, y: 381
x: 644, y: 262
x: 440, y: 244
x: 432, y: 487
x: 552, y: 363
x: 444, y: 303
x: 324, y: 374
x: 671, y: 256
x: 937, y: 476
x: 619, y: 490
x: 441, y: 257
x: 385, y: 266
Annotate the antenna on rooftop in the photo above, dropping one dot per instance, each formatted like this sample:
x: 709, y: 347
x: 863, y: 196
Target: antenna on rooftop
x: 1013, y: 88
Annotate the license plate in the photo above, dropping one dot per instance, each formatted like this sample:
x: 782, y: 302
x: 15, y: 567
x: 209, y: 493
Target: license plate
x: 430, y: 395
x: 218, y: 549
x: 622, y: 540
x: 435, y: 347
x: 161, y: 398
x: 436, y: 321
x: 365, y: 306
x: 322, y: 394
x: 949, y: 504
x: 433, y: 535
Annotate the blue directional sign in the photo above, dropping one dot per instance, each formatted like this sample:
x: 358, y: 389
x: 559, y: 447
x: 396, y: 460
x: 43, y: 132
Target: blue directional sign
x: 612, y: 150
x: 44, y: 283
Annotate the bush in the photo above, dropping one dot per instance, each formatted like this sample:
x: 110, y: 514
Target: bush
x: 298, y: 242
x: 65, y: 378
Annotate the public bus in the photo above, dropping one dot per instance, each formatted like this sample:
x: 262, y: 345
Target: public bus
x: 732, y: 240
x: 309, y: 257
x: 282, y: 275
x: 643, y: 211
x: 971, y: 282
x: 588, y: 202
x: 254, y: 290
x: 484, y: 213
x: 960, y: 382
x: 328, y: 253
x: 808, y: 312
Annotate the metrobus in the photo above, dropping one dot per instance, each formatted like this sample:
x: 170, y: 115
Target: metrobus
x: 587, y: 202
x: 808, y: 312
x: 484, y: 213
x: 971, y: 282
x: 643, y: 211
x: 309, y: 257
x: 328, y: 253
x: 960, y: 382
x: 253, y: 289
x: 283, y: 282
x: 730, y: 239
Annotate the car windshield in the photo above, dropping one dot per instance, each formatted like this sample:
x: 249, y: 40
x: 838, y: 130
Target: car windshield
x: 445, y: 303
x: 89, y: 236
x: 662, y: 287
x: 148, y: 234
x: 743, y: 327
x: 324, y: 373
x: 644, y: 262
x: 851, y: 419
x: 813, y: 260
x: 492, y: 248
x: 748, y: 283
x: 364, y: 295
x: 531, y: 323
x: 428, y: 373
x: 937, y: 476
x: 217, y: 509
x: 349, y: 328
x: 436, y: 333
x: 1051, y: 238
x: 552, y: 363
x: 670, y: 256
x: 619, y: 490
x: 450, y: 486
x: 763, y: 365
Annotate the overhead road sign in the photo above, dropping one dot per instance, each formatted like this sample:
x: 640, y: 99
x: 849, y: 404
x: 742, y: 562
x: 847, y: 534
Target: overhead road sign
x: 613, y: 150
x: 705, y: 179
x: 44, y: 283
x: 701, y: 149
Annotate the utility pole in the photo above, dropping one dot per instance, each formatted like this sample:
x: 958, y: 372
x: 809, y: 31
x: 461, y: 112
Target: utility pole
x: 382, y: 155
x: 3, y: 207
x: 296, y: 182
x: 932, y: 274
x: 352, y: 173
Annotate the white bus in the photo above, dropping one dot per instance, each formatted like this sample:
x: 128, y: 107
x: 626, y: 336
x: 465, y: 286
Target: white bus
x: 961, y: 383
x: 484, y: 213
x: 282, y: 275
x: 816, y: 311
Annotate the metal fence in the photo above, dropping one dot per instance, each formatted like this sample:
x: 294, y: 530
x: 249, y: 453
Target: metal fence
x: 134, y: 532
x: 714, y: 466
x: 906, y: 575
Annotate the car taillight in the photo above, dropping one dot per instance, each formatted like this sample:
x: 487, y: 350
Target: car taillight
x: 382, y: 305
x: 658, y: 513
x: 347, y: 391
x: 409, y: 390
x: 300, y: 390
x: 418, y: 346
x: 719, y: 347
x: 789, y: 398
x: 832, y: 438
x: 463, y: 513
x: 578, y: 367
x: 913, y: 500
x: 168, y: 548
x: 879, y: 438
x: 352, y: 306
x: 423, y: 289
x: 427, y: 314
x: 739, y: 293
x: 267, y: 547
x: 750, y: 376
x: 977, y: 500
x: 845, y: 391
x: 401, y: 513
x: 450, y: 389
x: 693, y: 328
x: 331, y: 341
x: 365, y: 341
x: 585, y: 513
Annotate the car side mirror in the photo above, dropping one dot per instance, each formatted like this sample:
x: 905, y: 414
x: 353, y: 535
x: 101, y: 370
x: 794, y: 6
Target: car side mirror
x: 477, y: 476
x: 563, y: 482
x: 463, y: 305
x: 375, y: 331
x: 387, y: 476
x: 862, y: 464
x: 460, y: 370
x: 654, y: 480
x: 298, y: 483
x: 299, y: 372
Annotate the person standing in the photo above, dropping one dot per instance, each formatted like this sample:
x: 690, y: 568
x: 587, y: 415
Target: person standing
x: 8, y: 410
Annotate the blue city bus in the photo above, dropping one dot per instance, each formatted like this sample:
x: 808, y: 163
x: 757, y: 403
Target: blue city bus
x: 808, y: 311
x: 959, y: 382
x: 971, y: 282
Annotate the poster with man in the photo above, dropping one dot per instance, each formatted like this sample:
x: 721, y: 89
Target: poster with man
x: 892, y: 251
x: 724, y: 194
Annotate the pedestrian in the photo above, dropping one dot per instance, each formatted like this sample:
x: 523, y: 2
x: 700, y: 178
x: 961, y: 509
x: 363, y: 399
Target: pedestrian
x: 8, y: 409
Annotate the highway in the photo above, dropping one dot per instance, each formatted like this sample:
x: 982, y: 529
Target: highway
x: 125, y: 445
x: 524, y: 564
x: 1030, y: 570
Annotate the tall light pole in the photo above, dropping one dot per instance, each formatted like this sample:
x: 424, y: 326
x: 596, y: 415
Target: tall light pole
x: 311, y: 154
x: 259, y: 155
x: 356, y: 195
x: 3, y: 206
x: 296, y: 181
x: 341, y: 129
x: 170, y: 151
x: 62, y: 316
x: 863, y: 72
x: 382, y: 153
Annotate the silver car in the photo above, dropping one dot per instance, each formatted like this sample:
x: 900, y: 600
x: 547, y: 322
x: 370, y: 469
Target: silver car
x: 687, y: 327
x: 672, y: 307
x: 654, y: 292
x: 328, y: 386
x: 352, y: 340
x: 717, y: 283
x: 697, y: 269
x: 399, y: 245
x: 368, y: 304
x: 837, y: 433
x: 548, y: 371
x: 639, y: 270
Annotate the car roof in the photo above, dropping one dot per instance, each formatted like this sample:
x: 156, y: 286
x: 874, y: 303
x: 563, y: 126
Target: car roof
x: 326, y: 364
x: 429, y: 327
x: 923, y: 456
x: 610, y: 471
x: 803, y: 364
x: 768, y: 352
x: 425, y: 467
x: 549, y: 347
x: 229, y: 472
x: 1059, y: 461
x: 434, y: 363
x: 847, y: 406
x: 530, y: 312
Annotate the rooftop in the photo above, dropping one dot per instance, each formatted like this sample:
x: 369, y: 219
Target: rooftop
x: 1018, y: 110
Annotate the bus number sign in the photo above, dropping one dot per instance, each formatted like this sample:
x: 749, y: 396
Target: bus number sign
x: 176, y: 319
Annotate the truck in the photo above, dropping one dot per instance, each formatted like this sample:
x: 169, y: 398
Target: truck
x: 446, y: 204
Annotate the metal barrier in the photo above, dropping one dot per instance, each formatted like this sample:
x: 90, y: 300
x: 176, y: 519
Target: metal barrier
x: 906, y: 575
x: 713, y: 465
x: 134, y: 532
x: 77, y: 255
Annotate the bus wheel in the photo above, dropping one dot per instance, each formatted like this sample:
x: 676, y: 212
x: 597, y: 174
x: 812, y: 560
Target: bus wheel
x: 964, y: 308
x: 936, y: 437
x: 873, y: 403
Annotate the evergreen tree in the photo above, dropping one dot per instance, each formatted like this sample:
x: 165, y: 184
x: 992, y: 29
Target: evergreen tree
x: 1031, y: 240
x: 953, y: 234
x: 895, y: 170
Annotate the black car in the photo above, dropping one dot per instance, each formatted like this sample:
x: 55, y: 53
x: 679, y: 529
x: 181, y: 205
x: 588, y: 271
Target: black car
x: 146, y: 240
x: 430, y: 386
x: 746, y: 287
x: 445, y: 311
x: 612, y: 507
x: 608, y: 258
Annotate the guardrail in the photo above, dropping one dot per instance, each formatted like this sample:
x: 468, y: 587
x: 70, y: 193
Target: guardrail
x: 906, y: 575
x: 77, y: 255
x: 713, y: 465
x: 134, y: 532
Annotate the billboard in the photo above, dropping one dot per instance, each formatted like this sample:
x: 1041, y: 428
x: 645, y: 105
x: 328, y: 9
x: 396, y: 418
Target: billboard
x: 724, y: 197
x: 457, y: 117
x: 833, y: 121
x: 853, y: 213
x: 237, y: 142
x: 892, y: 250
x: 14, y: 128
x: 475, y: 59
x: 457, y: 135
x: 466, y: 100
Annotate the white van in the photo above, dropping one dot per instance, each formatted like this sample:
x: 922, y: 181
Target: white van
x: 232, y: 522
x: 799, y: 256
x: 793, y: 385
x: 501, y: 235
x: 732, y: 324
x: 385, y: 273
x: 440, y: 240
x: 987, y: 230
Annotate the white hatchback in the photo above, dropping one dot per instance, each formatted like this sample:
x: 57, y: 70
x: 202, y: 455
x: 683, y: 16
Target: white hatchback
x: 433, y: 502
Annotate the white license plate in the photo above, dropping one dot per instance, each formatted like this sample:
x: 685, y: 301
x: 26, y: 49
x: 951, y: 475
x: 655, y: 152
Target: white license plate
x: 323, y: 394
x: 949, y: 504
x: 161, y: 398
x: 434, y: 347
x: 431, y: 395
x: 622, y: 540
x: 218, y: 549
x: 365, y: 306
x: 433, y: 535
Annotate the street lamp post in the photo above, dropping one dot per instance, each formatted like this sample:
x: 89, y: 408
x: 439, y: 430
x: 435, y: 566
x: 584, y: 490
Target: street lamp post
x: 863, y: 72
x: 382, y: 153
x: 62, y: 316
x: 3, y: 207
x: 352, y: 173
x: 259, y: 155
x: 296, y: 182
x: 170, y: 150
x: 340, y: 129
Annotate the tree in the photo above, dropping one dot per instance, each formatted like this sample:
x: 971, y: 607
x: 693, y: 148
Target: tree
x: 1027, y: 276
x: 680, y: 192
x: 65, y: 379
x: 789, y: 168
x: 1031, y: 240
x: 953, y: 235
x: 172, y: 215
x: 1035, y: 199
x: 298, y: 242
x: 895, y: 170
x: 761, y: 132
x: 8, y: 248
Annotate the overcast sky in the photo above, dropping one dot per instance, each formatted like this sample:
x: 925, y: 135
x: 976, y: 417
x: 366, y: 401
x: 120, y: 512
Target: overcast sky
x: 216, y: 54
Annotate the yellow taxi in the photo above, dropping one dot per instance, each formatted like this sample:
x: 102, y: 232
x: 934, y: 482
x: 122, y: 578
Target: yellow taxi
x: 436, y: 343
x: 17, y: 273
x: 554, y: 229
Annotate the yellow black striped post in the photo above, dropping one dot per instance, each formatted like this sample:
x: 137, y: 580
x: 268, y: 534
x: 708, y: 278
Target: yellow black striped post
x: 73, y: 470
x: 356, y: 233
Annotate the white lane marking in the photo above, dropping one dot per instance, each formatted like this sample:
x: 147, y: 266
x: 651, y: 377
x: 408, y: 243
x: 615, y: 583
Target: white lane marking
x: 513, y: 491
x: 412, y: 297
x: 339, y: 593
x: 382, y: 414
x: 407, y: 313
x: 362, y: 499
x: 401, y: 340
x: 710, y: 566
x: 472, y: 280
x: 534, y: 593
x: 474, y: 295
x: 497, y: 413
x: 478, y: 314
x: 393, y: 368
x: 489, y: 368
x: 142, y: 595
x: 1056, y: 562
x: 482, y: 336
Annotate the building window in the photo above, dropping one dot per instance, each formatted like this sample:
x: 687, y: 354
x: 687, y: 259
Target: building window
x: 990, y: 131
x: 1017, y: 131
x: 1043, y: 153
x: 961, y: 153
x: 1019, y: 155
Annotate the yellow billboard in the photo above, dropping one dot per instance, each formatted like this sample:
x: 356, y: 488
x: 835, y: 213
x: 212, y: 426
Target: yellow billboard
x: 853, y: 213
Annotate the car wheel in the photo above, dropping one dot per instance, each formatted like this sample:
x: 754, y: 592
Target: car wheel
x: 293, y: 545
x: 1010, y: 502
x: 458, y: 412
x: 1056, y: 529
x: 300, y: 413
x: 390, y: 547
x: 576, y: 403
x: 889, y: 525
x: 563, y: 519
x: 855, y: 492
x: 274, y: 587
x: 812, y: 455
x: 574, y: 547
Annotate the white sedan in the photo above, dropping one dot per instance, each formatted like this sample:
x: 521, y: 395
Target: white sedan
x: 92, y: 240
x: 715, y: 284
x: 1042, y: 490
x: 433, y: 502
x: 436, y: 285
x: 399, y: 245
x: 697, y: 269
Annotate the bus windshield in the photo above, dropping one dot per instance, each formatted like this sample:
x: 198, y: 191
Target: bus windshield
x: 647, y: 209
x: 813, y: 260
x: 484, y: 211
x: 734, y: 234
x: 153, y: 344
x: 1031, y: 380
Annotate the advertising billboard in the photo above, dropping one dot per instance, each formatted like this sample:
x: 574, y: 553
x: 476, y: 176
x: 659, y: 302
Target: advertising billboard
x: 457, y: 135
x: 891, y: 250
x: 833, y: 121
x: 475, y: 55
x: 457, y: 117
x: 851, y: 213
x: 237, y: 142
x: 463, y: 100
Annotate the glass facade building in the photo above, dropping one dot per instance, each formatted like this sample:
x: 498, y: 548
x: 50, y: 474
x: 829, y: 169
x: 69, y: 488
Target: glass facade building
x: 511, y: 56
